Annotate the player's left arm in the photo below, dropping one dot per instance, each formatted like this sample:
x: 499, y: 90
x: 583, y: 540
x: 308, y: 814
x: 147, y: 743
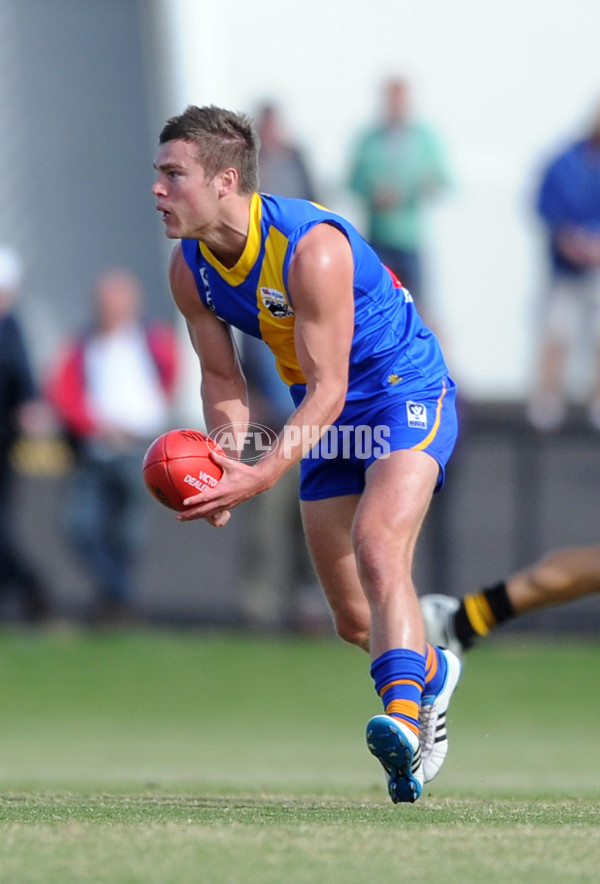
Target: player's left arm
x: 320, y: 285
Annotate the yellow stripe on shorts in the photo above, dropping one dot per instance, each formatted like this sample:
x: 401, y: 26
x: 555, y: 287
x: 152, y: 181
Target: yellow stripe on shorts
x: 436, y: 424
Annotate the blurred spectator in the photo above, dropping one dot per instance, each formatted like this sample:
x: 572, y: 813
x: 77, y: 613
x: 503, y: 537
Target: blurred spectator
x: 283, y: 172
x: 280, y: 588
x: 569, y: 206
x: 397, y: 168
x: 112, y: 389
x: 282, y: 168
x: 21, y: 413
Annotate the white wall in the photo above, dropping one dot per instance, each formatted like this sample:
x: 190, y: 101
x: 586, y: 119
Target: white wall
x: 502, y: 83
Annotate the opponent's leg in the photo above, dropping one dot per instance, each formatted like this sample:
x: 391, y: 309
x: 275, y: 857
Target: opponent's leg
x: 561, y: 576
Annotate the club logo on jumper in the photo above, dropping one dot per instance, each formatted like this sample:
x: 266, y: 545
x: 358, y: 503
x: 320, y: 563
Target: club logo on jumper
x: 245, y: 442
x: 275, y: 302
x: 417, y: 415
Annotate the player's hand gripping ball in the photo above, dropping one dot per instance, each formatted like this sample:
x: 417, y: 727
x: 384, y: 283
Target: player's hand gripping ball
x: 177, y: 465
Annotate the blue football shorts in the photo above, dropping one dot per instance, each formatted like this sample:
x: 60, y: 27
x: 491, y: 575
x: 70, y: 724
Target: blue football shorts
x: 366, y: 431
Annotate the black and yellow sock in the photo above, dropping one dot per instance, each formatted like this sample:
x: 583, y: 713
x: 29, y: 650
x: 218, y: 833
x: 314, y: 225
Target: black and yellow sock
x: 482, y: 611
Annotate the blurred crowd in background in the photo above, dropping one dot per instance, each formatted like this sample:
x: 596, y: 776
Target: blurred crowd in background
x: 110, y: 389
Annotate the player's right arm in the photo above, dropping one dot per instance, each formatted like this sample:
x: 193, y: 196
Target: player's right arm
x: 223, y: 386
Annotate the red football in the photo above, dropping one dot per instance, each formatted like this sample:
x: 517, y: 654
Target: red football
x: 177, y: 465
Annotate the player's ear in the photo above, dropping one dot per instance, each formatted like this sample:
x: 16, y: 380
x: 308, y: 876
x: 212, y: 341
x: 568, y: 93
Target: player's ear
x: 228, y: 181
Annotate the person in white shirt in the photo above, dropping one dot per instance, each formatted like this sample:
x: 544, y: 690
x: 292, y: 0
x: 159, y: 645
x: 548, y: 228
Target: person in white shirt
x: 112, y: 390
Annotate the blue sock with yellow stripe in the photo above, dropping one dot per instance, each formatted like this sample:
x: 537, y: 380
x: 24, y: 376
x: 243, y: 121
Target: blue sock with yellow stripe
x: 436, y: 667
x: 399, y: 676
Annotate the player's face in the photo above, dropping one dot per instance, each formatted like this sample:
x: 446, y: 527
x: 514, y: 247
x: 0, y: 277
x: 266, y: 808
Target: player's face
x: 187, y: 201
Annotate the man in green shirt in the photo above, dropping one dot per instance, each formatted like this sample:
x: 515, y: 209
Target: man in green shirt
x: 398, y: 166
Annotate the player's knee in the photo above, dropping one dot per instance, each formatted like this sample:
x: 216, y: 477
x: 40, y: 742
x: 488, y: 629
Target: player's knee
x: 353, y: 630
x: 370, y: 553
x: 376, y: 563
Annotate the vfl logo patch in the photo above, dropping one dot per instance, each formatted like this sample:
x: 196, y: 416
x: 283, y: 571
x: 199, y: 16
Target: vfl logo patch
x: 275, y: 302
x: 417, y: 415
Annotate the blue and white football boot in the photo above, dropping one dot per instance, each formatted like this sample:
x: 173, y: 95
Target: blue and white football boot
x: 399, y: 751
x: 433, y: 735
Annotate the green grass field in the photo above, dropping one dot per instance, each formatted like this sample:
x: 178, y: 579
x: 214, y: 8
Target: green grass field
x: 161, y: 757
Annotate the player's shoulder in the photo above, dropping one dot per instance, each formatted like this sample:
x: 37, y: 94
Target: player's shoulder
x: 287, y: 211
x: 181, y: 261
x: 176, y: 257
x: 291, y: 215
x: 322, y: 251
x: 183, y: 282
x: 321, y: 236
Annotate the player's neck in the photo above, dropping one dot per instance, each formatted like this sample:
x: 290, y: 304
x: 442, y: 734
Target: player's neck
x: 227, y: 239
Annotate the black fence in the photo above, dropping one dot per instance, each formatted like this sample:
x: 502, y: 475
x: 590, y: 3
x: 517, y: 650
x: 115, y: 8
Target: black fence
x: 512, y: 494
